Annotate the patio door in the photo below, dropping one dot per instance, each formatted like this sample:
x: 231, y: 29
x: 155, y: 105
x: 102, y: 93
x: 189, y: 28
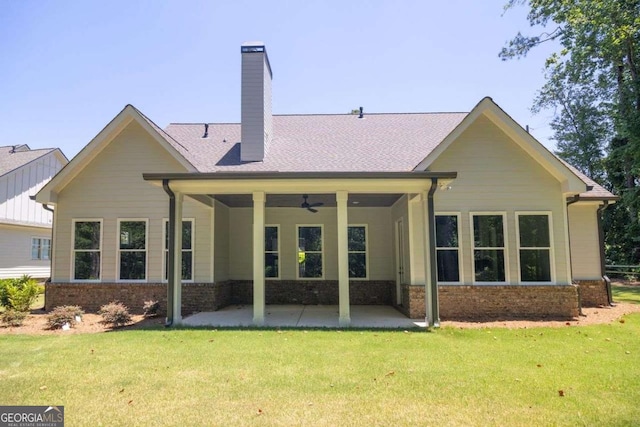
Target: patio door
x: 399, y: 259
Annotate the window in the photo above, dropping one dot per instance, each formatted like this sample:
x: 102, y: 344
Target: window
x: 132, y: 249
x: 271, y: 252
x: 447, y: 248
x: 310, y: 252
x: 489, y: 248
x: 40, y: 248
x: 357, y: 237
x: 187, y: 249
x: 534, y: 240
x: 87, y: 247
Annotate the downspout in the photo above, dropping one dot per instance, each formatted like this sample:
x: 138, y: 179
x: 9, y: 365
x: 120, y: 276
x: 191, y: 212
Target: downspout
x: 171, y: 263
x: 46, y: 207
x: 603, y: 268
x: 433, y: 270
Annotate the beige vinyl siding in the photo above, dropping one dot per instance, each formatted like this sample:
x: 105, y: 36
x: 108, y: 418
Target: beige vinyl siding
x: 111, y: 187
x: 380, y: 244
x: 17, y: 186
x: 496, y: 175
x: 585, y: 245
x: 221, y: 243
x: 15, y: 252
x: 400, y: 211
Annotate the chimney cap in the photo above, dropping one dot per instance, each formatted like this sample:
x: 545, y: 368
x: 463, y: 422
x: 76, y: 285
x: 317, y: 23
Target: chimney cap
x: 256, y: 47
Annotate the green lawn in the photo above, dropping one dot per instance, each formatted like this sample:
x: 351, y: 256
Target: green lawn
x: 228, y: 377
x: 623, y: 293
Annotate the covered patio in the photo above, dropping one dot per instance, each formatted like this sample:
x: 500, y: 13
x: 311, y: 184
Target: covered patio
x: 305, y: 316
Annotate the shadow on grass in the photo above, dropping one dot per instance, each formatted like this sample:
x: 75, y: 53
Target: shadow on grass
x: 626, y: 293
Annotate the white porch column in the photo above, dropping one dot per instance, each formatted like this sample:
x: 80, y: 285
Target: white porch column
x: 177, y: 260
x: 258, y: 258
x: 428, y: 297
x: 343, y: 258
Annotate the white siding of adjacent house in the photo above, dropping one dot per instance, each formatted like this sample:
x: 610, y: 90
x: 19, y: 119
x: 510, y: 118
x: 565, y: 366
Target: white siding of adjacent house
x: 496, y: 175
x: 15, y: 252
x: 17, y: 186
x: 585, y: 244
x: 380, y: 244
x: 111, y: 187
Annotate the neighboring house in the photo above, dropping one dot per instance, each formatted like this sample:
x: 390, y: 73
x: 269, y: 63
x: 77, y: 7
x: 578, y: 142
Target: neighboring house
x: 326, y: 209
x: 25, y: 226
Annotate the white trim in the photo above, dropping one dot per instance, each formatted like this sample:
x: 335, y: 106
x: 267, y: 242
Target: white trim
x: 146, y: 250
x: 323, y: 258
x: 73, y: 250
x: 458, y: 216
x: 165, y: 250
x: 277, y: 252
x: 552, y: 264
x: 366, y: 250
x: 505, y: 248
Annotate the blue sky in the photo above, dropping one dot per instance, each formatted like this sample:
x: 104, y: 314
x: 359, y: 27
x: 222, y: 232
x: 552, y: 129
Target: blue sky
x: 68, y: 67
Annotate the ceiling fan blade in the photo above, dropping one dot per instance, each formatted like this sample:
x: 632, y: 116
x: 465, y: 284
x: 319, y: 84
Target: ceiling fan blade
x: 312, y: 210
x: 313, y: 205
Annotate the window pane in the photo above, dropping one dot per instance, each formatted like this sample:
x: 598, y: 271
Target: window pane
x: 488, y: 231
x: 448, y: 266
x: 87, y: 235
x: 132, y: 265
x: 271, y: 265
x: 46, y: 248
x: 309, y: 265
x: 35, y: 248
x: 132, y: 234
x: 447, y: 231
x: 358, y: 265
x: 310, y: 238
x: 87, y: 266
x: 271, y: 239
x: 489, y: 265
x: 357, y: 239
x: 535, y: 265
x: 534, y: 231
x: 187, y: 265
x: 187, y: 229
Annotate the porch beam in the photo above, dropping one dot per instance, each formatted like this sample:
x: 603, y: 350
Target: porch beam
x: 343, y: 258
x: 259, y: 200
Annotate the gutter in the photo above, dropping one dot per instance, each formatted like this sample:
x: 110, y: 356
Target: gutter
x: 172, y: 239
x: 296, y: 175
x: 435, y: 306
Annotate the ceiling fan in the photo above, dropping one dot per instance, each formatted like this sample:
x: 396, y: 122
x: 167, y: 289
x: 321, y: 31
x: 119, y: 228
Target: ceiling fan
x: 310, y: 206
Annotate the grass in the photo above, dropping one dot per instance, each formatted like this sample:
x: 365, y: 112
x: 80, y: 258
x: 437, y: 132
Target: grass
x: 626, y: 293
x: 296, y: 377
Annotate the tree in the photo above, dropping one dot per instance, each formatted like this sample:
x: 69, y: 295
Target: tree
x: 593, y: 84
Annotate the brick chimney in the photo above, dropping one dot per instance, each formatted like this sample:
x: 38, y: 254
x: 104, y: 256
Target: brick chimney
x: 256, y: 118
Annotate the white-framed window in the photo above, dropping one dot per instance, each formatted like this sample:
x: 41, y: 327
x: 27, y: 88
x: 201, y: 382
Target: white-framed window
x: 535, y: 247
x: 132, y: 250
x: 40, y: 248
x: 489, y: 248
x: 358, y: 253
x: 188, y: 236
x: 86, y: 248
x: 272, y: 251
x: 448, y: 249
x: 310, y: 252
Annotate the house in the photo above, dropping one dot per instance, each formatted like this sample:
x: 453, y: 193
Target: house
x: 339, y: 209
x: 25, y: 227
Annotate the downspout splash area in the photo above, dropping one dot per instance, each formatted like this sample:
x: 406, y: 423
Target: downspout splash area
x: 172, y: 239
x: 434, y: 321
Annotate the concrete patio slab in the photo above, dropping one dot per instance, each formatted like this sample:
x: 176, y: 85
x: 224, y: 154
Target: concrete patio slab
x: 305, y: 316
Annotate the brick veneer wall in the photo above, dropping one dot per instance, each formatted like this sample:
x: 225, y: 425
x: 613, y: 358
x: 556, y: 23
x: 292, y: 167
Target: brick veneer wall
x: 90, y: 296
x: 314, y: 292
x: 593, y: 293
x: 499, y: 301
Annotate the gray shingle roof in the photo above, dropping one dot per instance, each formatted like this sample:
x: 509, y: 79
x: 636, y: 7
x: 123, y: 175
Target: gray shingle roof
x: 316, y: 143
x: 11, y: 161
x: 597, y: 191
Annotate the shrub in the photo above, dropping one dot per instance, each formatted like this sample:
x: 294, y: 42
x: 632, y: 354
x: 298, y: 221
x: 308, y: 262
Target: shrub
x: 19, y: 294
x: 151, y: 308
x: 63, y: 314
x: 115, y: 314
x: 13, y: 317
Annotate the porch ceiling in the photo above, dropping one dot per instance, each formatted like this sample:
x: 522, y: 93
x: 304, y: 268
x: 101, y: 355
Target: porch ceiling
x: 294, y: 200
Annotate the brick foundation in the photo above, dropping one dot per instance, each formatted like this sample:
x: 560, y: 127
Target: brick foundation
x: 593, y: 293
x: 499, y: 301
